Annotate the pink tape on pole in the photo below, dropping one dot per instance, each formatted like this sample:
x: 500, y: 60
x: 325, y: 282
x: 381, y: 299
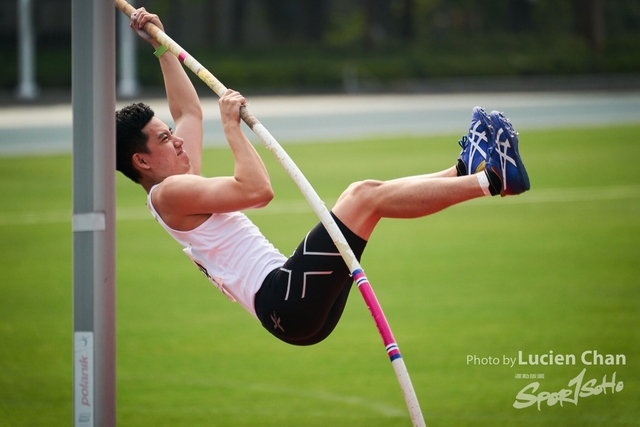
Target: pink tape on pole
x: 182, y: 56
x: 376, y: 312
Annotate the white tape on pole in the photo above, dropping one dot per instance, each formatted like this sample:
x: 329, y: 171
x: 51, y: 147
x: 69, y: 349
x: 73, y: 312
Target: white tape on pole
x: 90, y: 221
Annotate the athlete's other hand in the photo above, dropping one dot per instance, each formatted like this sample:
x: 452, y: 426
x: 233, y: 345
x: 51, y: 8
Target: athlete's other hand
x: 230, y: 104
x: 139, y: 19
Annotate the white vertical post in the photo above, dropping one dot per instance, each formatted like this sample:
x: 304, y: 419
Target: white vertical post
x: 128, y: 85
x: 27, y: 87
x: 93, y: 225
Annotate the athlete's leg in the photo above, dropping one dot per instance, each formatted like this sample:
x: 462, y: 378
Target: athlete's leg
x: 364, y: 203
x: 489, y: 164
x: 447, y: 173
x: 332, y: 317
x: 301, y: 302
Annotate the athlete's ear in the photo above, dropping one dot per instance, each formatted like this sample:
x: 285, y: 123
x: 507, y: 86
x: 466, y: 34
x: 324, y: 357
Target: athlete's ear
x: 139, y: 161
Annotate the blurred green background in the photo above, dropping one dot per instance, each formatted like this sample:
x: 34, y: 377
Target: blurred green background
x: 330, y: 45
x: 554, y: 269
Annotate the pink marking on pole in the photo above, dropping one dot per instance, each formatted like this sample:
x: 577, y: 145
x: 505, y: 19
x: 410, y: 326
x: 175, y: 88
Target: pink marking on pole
x: 376, y: 310
x: 183, y: 56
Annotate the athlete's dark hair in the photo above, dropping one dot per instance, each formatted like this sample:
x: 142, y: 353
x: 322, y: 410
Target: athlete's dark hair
x: 129, y: 137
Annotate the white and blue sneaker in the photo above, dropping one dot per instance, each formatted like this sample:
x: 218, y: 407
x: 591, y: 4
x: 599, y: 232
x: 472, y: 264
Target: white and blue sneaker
x: 475, y: 143
x: 505, y: 170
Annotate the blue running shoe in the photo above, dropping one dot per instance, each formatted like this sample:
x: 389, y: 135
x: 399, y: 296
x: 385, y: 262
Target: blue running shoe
x: 475, y: 143
x: 505, y: 169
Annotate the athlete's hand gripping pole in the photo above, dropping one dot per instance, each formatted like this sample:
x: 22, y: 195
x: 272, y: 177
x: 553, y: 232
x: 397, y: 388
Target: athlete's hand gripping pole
x: 318, y: 207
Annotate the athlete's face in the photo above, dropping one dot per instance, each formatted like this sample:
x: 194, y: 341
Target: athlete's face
x: 166, y: 156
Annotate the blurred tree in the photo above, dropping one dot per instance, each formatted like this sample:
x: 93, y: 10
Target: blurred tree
x: 317, y: 12
x: 209, y: 34
x: 346, y: 24
x: 589, y: 21
x: 377, y: 17
x: 371, y: 24
x: 238, y: 18
x: 520, y: 15
x: 407, y: 25
x: 551, y: 17
x: 622, y: 17
x: 304, y: 19
x: 279, y: 14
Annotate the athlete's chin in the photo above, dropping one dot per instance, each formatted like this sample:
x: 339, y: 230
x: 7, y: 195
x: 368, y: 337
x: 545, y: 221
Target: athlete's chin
x: 185, y: 159
x: 187, y: 166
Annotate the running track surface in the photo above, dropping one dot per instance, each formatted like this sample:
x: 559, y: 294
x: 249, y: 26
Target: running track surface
x: 299, y: 119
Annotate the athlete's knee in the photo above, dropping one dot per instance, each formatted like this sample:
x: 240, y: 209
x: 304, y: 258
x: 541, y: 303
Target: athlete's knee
x: 359, y: 207
x: 362, y: 193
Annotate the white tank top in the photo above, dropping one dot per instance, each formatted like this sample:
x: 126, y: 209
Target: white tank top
x: 231, y: 251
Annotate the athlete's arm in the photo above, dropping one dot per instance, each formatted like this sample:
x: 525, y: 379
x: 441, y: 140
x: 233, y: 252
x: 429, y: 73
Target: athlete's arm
x: 185, y: 201
x: 184, y: 103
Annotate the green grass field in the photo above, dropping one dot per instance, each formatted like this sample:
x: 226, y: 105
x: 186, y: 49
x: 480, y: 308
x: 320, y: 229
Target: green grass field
x: 554, y: 270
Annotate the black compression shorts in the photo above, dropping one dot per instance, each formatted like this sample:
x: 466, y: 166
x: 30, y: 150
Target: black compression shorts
x: 302, y: 302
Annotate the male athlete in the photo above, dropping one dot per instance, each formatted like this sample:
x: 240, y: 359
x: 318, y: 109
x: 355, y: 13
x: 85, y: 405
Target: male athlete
x: 298, y: 299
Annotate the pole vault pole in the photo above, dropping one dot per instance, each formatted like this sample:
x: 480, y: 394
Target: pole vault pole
x: 318, y: 207
x: 93, y: 221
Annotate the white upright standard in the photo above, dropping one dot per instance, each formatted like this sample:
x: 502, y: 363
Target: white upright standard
x: 93, y: 222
